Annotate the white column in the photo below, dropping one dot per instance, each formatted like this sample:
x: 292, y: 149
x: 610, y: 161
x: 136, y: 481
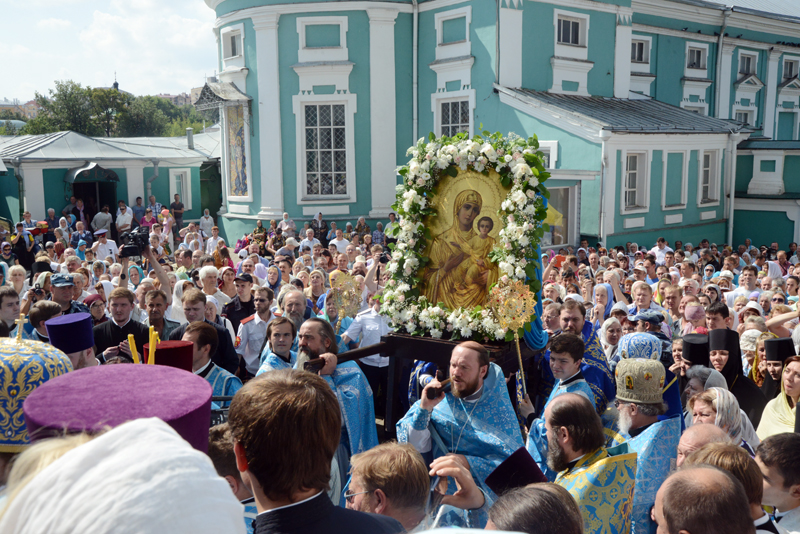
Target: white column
x: 770, y: 101
x: 224, y: 159
x: 511, y: 47
x: 134, y: 170
x: 724, y: 104
x: 383, y: 122
x: 622, y: 57
x: 269, y: 116
x: 33, y: 180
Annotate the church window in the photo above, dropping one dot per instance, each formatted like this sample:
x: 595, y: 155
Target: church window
x: 325, y: 149
x: 454, y: 117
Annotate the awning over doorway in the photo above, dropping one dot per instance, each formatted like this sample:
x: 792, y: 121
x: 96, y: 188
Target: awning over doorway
x: 90, y: 171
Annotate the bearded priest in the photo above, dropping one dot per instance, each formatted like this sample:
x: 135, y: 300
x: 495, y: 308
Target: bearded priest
x: 475, y: 421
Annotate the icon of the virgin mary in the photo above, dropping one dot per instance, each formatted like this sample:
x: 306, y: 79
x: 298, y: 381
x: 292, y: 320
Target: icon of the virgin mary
x: 459, y: 273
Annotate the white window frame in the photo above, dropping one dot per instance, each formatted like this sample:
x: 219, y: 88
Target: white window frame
x: 697, y: 72
x: 646, y: 43
x: 700, y: 109
x: 186, y: 189
x: 643, y: 182
x: 684, y: 179
x: 714, y: 185
x: 225, y: 35
x: 458, y: 48
x: 749, y: 112
x: 795, y: 61
x: 551, y: 149
x: 573, y: 216
x: 436, y: 106
x: 328, y: 53
x: 350, y: 108
x: 753, y: 57
x: 579, y: 51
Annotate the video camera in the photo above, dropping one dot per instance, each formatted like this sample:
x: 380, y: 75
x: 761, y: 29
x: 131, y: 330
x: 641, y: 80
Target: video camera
x: 134, y: 242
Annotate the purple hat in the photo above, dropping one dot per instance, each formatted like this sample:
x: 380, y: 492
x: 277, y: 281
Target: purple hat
x: 70, y: 333
x: 91, y: 399
x: 179, y: 354
x: 516, y: 471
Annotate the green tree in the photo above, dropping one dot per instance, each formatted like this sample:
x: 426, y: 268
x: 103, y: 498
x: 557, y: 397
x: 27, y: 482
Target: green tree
x: 143, y: 118
x: 8, y: 115
x: 69, y: 107
x: 177, y: 127
x: 42, y: 124
x: 7, y: 128
x: 107, y: 106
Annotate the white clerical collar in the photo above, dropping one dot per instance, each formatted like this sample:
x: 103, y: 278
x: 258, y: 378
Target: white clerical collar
x: 290, y: 505
x: 120, y: 325
x: 200, y: 371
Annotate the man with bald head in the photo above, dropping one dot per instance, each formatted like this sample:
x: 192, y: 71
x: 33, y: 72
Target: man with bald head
x: 476, y: 422
x: 702, y: 500
x: 601, y: 480
x: 696, y: 436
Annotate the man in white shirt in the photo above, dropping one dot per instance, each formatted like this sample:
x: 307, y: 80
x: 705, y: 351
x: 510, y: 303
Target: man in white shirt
x: 340, y: 242
x: 370, y: 325
x: 747, y: 284
x: 124, y: 220
x: 309, y: 241
x: 213, y: 241
x: 253, y: 330
x: 660, y: 250
x: 104, y: 248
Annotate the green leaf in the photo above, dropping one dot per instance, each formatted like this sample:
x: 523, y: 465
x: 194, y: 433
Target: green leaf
x: 530, y: 271
x: 452, y: 171
x: 545, y: 227
x: 486, y: 133
x: 431, y: 137
x: 509, y: 336
x: 545, y: 193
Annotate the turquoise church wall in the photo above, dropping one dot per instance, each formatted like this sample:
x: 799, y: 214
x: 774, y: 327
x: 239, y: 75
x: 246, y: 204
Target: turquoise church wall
x: 9, y: 196
x: 762, y: 227
x: 744, y: 172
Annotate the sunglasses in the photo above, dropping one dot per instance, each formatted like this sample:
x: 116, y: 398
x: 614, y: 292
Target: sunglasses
x: 260, y: 300
x: 349, y: 496
x: 778, y: 300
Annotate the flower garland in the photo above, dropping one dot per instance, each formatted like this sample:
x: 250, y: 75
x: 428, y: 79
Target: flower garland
x: 520, y: 166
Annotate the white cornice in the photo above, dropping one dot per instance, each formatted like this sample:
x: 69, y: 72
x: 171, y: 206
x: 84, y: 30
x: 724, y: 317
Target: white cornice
x: 623, y: 13
x: 283, y: 9
x: 674, y: 33
x: 729, y: 42
x: 705, y: 15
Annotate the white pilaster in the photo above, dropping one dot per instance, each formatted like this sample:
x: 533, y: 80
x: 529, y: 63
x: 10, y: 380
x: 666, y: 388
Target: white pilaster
x: 33, y: 179
x: 269, y: 116
x: 622, y: 57
x: 770, y: 102
x: 224, y: 167
x: 724, y: 104
x: 383, y: 122
x: 134, y: 170
x: 511, y: 47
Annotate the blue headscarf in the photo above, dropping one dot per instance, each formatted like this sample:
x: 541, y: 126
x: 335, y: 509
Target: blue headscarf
x: 277, y: 286
x: 81, y: 253
x: 141, y: 274
x: 610, y: 299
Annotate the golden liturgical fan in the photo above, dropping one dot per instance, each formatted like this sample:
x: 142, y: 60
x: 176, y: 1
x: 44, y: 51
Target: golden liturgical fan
x: 512, y: 303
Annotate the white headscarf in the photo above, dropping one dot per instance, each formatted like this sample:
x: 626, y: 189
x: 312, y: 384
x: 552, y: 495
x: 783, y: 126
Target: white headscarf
x: 174, y: 489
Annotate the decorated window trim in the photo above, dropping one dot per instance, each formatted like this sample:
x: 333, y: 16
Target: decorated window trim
x: 519, y: 165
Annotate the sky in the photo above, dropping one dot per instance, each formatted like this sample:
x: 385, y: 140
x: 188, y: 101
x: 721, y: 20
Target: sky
x: 155, y: 46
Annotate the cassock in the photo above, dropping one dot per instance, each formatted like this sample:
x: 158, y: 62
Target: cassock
x: 537, y: 437
x: 602, y: 482
x: 484, y: 429
x: 273, y: 362
x: 751, y: 400
x: 225, y: 356
x: 109, y: 334
x: 223, y: 383
x: 656, y: 447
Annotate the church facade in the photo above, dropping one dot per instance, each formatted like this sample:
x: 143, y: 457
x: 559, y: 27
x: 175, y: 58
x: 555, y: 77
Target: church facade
x: 650, y: 112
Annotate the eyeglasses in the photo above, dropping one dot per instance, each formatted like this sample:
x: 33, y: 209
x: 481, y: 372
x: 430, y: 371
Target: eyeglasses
x: 349, y: 496
x: 260, y: 300
x: 778, y: 300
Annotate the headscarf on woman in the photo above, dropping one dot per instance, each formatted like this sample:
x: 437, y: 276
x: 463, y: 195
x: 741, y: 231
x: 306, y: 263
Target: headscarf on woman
x: 778, y: 416
x: 729, y: 415
x: 105, y: 269
x: 277, y: 285
x: 176, y: 310
x: 141, y: 275
x: 63, y: 224
x: 261, y: 271
x: 716, y: 288
x: 609, y: 299
x: 608, y: 347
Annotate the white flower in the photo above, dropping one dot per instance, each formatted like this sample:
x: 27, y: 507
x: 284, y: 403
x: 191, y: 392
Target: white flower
x: 519, y: 197
x: 531, y: 193
x: 435, y: 333
x: 499, y: 333
x: 490, y: 152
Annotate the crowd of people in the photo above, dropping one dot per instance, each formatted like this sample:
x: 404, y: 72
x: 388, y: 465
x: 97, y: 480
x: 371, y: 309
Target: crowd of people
x: 664, y: 400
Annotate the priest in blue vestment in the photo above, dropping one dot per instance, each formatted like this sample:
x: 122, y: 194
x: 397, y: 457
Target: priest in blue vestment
x: 204, y: 339
x: 640, y: 402
x: 475, y: 421
x: 317, y: 340
x: 566, y: 357
x: 278, y: 353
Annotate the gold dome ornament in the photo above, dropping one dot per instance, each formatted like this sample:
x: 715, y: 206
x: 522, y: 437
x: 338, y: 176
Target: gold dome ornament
x: 345, y: 296
x: 514, y: 305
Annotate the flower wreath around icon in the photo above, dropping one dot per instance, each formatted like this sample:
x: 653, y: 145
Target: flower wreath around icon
x: 520, y: 166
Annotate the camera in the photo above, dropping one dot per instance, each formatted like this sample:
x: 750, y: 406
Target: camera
x: 134, y: 242
x: 385, y: 257
x: 37, y: 290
